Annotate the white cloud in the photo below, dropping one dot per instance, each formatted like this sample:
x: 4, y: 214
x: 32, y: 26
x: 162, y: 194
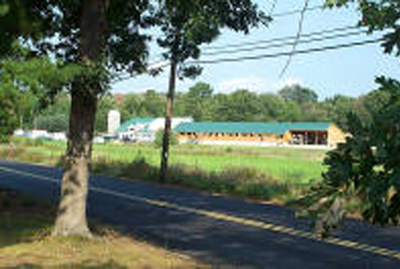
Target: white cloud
x: 252, y: 83
x: 256, y: 84
x: 287, y: 82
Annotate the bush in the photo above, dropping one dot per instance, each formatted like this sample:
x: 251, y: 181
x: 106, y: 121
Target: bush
x: 29, y: 142
x: 365, y: 167
x: 173, y: 138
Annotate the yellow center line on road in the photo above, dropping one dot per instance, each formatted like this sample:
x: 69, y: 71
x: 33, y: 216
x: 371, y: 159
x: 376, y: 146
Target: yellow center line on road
x: 232, y: 219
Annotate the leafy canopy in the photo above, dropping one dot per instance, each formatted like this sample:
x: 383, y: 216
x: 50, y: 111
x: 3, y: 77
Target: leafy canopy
x: 188, y: 24
x: 367, y: 167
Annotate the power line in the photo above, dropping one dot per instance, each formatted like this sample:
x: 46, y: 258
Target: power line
x: 287, y: 53
x: 299, y: 32
x: 272, y: 40
x: 266, y: 41
x: 296, y: 11
x: 287, y: 13
x: 287, y: 43
x: 274, y: 55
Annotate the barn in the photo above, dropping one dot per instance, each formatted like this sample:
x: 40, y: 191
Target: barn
x: 261, y: 133
x: 143, y: 130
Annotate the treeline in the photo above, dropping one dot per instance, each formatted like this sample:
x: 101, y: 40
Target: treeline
x: 292, y: 103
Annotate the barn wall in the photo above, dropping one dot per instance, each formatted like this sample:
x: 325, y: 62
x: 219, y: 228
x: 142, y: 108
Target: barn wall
x: 287, y: 137
x: 335, y: 135
x: 230, y: 137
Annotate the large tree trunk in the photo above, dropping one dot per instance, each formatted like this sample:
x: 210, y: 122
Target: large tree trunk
x: 71, y: 218
x: 168, y: 118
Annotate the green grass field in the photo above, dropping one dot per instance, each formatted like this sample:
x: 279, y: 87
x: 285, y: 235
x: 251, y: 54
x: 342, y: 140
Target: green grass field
x: 197, y: 166
x: 284, y: 164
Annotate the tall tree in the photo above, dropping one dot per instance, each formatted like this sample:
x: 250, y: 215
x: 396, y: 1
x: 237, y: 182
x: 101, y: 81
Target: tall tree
x: 338, y: 107
x: 101, y: 37
x: 153, y: 104
x: 185, y: 26
x: 299, y: 94
x: 98, y: 34
x: 242, y: 105
x: 198, y: 101
x: 71, y: 218
x: 366, y: 167
x: 271, y: 106
x: 132, y: 106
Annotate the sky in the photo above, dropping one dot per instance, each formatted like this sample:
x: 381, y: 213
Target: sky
x: 349, y: 71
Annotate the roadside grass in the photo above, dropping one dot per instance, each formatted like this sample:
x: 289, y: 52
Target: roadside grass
x: 25, y: 225
x: 279, y: 174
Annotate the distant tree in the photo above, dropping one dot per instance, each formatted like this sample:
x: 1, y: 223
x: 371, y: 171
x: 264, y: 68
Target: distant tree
x: 8, y: 113
x: 27, y: 105
x: 221, y: 107
x: 24, y: 82
x: 243, y: 105
x: 52, y: 123
x: 271, y: 106
x: 299, y: 94
x: 369, y: 104
x: 173, y: 139
x: 338, y: 108
x: 54, y: 117
x: 153, y: 104
x: 198, y: 101
x: 291, y: 111
x: 132, y: 106
x: 314, y: 112
x: 180, y: 105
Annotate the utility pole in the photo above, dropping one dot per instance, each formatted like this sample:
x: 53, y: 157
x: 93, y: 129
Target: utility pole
x: 168, y: 118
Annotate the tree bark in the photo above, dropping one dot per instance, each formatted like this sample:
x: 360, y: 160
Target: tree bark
x: 168, y: 118
x: 71, y: 218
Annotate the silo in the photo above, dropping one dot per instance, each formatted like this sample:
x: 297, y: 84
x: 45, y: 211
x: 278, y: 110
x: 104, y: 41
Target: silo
x: 114, y: 121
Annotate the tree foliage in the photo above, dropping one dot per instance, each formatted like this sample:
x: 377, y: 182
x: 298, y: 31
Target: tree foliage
x: 173, y: 139
x: 299, y: 94
x: 366, y: 167
x: 202, y: 104
x: 24, y: 88
x: 188, y: 24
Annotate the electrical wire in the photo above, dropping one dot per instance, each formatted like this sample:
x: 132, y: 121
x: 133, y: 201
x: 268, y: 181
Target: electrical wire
x: 266, y: 41
x: 287, y: 43
x: 273, y: 55
x: 287, y: 53
x: 296, y: 11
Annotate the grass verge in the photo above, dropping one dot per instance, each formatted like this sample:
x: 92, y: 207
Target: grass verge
x: 25, y: 224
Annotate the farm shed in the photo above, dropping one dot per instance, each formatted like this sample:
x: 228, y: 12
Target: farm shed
x: 260, y: 133
x: 143, y: 130
x: 133, y: 128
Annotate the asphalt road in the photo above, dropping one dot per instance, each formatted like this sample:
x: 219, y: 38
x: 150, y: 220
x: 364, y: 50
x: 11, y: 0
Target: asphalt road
x: 218, y: 230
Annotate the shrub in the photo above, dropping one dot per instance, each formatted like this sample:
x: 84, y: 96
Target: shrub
x: 173, y: 138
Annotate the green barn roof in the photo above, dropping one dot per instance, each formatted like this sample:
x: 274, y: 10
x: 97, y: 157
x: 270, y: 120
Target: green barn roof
x: 250, y: 127
x: 124, y: 127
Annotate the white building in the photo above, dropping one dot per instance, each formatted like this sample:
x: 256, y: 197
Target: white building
x: 113, y: 121
x: 143, y: 130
